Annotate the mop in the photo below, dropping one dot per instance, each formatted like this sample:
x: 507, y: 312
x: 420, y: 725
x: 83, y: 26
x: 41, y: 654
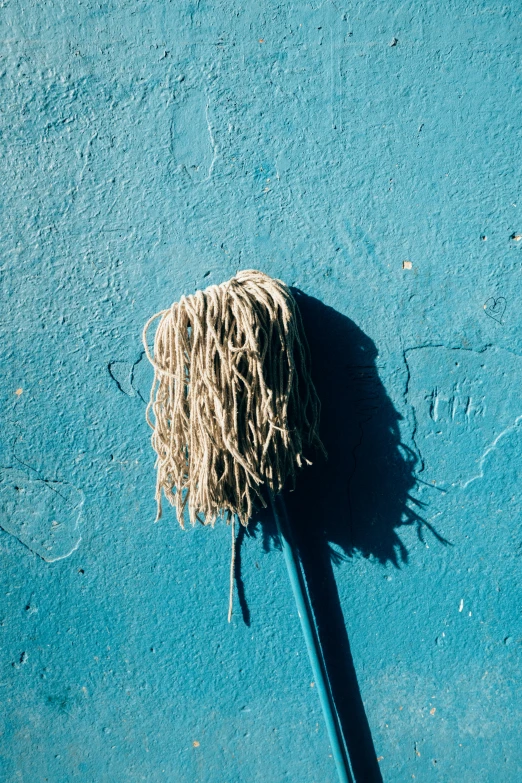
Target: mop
x: 234, y: 416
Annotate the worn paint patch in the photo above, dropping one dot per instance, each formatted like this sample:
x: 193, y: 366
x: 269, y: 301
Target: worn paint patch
x: 192, y: 150
x: 43, y: 514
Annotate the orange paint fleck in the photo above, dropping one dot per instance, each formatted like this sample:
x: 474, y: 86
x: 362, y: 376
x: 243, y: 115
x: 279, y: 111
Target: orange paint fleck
x: 261, y: 40
x: 380, y: 758
x: 433, y: 710
x: 195, y: 744
x: 407, y: 265
x: 18, y: 392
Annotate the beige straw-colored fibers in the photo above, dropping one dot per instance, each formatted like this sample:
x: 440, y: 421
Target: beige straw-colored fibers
x: 232, y: 408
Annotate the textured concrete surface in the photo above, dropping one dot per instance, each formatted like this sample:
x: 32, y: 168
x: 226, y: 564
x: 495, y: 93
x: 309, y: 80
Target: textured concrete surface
x: 370, y: 155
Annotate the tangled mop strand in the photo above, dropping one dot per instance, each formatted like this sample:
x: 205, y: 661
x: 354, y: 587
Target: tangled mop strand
x: 234, y: 406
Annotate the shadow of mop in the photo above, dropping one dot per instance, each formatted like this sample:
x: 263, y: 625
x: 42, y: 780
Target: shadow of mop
x: 354, y: 502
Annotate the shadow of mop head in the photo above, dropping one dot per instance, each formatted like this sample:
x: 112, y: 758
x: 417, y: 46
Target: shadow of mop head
x: 233, y: 408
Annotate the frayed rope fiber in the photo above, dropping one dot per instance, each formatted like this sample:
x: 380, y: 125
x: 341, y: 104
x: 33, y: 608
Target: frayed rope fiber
x: 232, y: 407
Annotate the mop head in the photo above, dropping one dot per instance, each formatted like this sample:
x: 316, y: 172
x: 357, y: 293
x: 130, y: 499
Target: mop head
x: 233, y: 408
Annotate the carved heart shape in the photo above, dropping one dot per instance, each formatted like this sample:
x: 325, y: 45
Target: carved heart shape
x: 495, y: 308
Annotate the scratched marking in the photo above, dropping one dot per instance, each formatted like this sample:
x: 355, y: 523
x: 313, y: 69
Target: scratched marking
x: 454, y: 405
x: 464, y: 403
x: 495, y: 308
x: 43, y: 515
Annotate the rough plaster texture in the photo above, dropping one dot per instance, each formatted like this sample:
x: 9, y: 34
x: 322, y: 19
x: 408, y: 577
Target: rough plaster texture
x: 151, y: 148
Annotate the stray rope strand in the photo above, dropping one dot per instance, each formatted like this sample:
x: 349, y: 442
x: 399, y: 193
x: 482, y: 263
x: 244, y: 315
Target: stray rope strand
x: 232, y: 567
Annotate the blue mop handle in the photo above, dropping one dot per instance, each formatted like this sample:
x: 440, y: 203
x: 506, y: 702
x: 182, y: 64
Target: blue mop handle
x: 304, y: 611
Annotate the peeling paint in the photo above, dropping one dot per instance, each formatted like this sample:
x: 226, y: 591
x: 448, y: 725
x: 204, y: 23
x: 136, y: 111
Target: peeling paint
x: 43, y: 514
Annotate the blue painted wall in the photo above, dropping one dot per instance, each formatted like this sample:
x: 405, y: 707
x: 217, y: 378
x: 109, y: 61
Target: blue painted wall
x: 152, y: 148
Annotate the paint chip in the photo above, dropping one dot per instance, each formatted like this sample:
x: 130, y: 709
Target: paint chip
x: 18, y: 392
x: 516, y: 237
x: 380, y: 758
x: 195, y: 744
x: 261, y: 40
x: 407, y: 265
x: 433, y: 711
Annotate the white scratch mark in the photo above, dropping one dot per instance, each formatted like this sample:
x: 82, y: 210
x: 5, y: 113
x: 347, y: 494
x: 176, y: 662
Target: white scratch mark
x: 43, y: 514
x: 212, y: 144
x: 489, y: 449
x: 51, y: 559
x: 461, y: 605
x: 436, y: 406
